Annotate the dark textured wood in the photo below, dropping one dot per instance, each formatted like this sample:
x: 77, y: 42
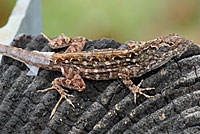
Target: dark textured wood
x: 174, y: 109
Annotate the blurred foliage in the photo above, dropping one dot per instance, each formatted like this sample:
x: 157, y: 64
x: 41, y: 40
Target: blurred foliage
x: 6, y: 7
x: 120, y: 20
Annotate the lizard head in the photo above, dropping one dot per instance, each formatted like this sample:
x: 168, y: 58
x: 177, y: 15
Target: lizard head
x: 153, y: 54
x: 163, y: 47
x: 173, y: 45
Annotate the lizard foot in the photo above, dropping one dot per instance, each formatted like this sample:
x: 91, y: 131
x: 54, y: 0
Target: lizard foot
x: 125, y: 77
x: 137, y: 89
x: 62, y: 93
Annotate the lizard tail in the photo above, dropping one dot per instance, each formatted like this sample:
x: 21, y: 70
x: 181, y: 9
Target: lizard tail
x: 39, y: 59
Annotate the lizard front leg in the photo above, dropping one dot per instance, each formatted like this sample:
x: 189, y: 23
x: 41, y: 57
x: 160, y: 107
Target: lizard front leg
x: 72, y: 80
x: 124, y: 75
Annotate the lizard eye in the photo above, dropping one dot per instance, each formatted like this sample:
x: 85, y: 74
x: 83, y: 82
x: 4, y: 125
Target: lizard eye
x: 171, y: 44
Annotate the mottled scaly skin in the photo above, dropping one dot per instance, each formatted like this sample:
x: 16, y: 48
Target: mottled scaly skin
x: 141, y: 58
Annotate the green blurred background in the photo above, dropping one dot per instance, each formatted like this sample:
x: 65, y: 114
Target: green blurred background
x: 121, y: 20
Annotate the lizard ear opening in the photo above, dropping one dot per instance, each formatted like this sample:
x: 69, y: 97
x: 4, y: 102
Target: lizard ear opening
x: 117, y: 58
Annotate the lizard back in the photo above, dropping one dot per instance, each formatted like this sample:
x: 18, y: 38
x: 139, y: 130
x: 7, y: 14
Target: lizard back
x: 107, y: 63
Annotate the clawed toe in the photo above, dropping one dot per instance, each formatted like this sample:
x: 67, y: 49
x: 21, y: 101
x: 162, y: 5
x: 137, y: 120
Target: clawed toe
x: 45, y: 90
x: 63, y: 95
x: 124, y: 75
x: 139, y: 90
x: 57, y: 104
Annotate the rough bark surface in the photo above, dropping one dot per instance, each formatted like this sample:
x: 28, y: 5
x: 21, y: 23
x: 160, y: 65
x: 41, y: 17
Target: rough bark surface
x: 105, y: 107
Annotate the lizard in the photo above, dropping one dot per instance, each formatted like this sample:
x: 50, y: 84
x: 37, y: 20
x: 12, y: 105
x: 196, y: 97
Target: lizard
x: 137, y: 59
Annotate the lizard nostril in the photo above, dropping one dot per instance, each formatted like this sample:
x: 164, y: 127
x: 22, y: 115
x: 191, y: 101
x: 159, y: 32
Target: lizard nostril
x: 81, y: 88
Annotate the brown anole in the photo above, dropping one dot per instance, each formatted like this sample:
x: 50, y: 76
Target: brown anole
x: 139, y: 58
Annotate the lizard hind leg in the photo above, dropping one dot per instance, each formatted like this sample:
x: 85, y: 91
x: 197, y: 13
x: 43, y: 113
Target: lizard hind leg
x: 125, y: 77
x: 75, y: 44
x: 61, y: 41
x: 72, y: 80
x: 58, y: 85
